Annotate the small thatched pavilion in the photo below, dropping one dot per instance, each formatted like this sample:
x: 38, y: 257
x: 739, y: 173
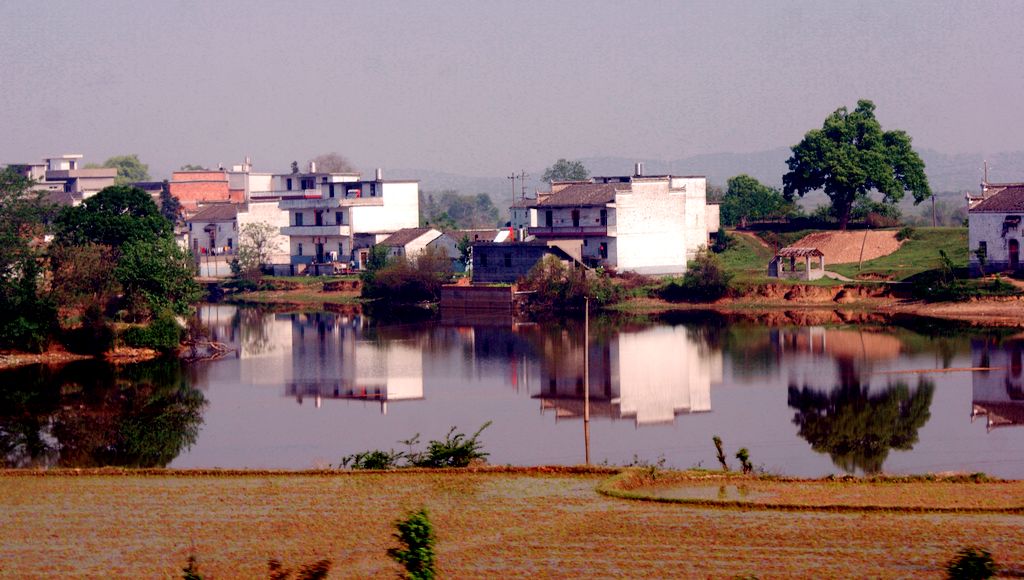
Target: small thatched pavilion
x: 778, y: 268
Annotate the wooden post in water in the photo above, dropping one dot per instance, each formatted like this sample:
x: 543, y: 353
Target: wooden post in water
x: 586, y: 378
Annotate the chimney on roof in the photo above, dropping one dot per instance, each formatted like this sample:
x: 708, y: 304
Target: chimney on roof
x: 379, y: 174
x: 312, y: 166
x: 638, y: 171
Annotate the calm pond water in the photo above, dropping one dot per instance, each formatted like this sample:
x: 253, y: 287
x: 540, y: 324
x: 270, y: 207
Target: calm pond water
x: 304, y: 390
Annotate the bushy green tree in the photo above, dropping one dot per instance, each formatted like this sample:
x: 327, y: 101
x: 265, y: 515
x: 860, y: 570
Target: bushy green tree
x: 170, y: 207
x: 113, y: 217
x: 705, y: 280
x: 556, y: 287
x: 155, y: 275
x: 747, y: 199
x: 409, y: 281
x: 28, y: 314
x: 257, y: 243
x: 129, y: 169
x: 850, y: 157
x: 565, y: 170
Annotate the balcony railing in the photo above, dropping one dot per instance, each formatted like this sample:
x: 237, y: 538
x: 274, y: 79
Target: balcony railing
x: 313, y: 230
x: 568, y: 231
x: 329, y: 202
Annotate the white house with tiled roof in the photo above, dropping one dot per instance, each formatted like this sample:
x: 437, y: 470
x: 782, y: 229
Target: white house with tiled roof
x: 994, y: 230
x: 638, y: 223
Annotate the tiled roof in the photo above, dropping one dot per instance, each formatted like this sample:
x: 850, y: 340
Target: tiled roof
x: 1010, y: 198
x: 584, y: 194
x: 795, y: 252
x: 402, y: 238
x: 219, y: 212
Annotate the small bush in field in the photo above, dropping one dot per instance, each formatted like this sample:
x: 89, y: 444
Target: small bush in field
x: 971, y: 563
x: 375, y: 459
x: 416, y: 553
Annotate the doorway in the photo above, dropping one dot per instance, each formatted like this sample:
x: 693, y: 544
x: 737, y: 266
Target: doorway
x: 1014, y: 255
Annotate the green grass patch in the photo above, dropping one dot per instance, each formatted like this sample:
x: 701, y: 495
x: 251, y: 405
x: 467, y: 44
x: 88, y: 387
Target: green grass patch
x: 746, y: 259
x: 915, y: 256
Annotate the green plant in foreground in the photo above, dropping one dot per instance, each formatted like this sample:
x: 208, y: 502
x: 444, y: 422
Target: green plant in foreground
x: 744, y: 456
x: 191, y: 571
x: 721, y: 453
x: 971, y: 562
x: 376, y: 459
x: 416, y: 535
x: 456, y: 450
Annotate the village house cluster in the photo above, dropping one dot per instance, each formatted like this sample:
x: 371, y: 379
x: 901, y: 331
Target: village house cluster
x: 328, y: 222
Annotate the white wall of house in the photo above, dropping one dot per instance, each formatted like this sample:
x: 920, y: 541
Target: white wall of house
x: 268, y: 212
x: 987, y: 227
x: 401, y: 209
x: 652, y: 228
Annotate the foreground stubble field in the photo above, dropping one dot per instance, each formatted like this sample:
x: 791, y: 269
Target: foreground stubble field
x: 489, y: 524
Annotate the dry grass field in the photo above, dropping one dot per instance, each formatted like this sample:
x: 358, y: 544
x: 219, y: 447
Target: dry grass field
x: 489, y: 524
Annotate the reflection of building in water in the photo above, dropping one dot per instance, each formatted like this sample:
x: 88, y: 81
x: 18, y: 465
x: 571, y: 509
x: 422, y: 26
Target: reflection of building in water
x: 334, y: 358
x: 651, y: 375
x: 849, y: 344
x: 220, y: 321
x: 998, y: 394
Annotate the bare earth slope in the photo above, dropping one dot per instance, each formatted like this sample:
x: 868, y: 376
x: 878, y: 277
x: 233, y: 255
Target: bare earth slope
x: 845, y: 247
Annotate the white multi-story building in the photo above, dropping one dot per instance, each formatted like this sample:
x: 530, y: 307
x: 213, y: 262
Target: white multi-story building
x: 340, y: 216
x: 65, y: 174
x: 643, y: 224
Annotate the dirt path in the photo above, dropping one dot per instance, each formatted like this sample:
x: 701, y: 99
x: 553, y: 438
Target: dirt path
x: 488, y: 525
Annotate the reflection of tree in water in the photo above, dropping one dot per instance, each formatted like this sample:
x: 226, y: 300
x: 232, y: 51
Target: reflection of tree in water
x: 857, y: 427
x: 91, y: 414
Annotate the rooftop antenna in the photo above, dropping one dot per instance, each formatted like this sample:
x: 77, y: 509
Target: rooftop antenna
x: 522, y: 182
x: 985, y: 180
x: 511, y: 208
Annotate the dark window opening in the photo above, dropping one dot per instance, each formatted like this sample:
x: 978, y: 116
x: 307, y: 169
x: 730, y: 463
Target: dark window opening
x: 318, y: 217
x: 300, y: 248
x: 298, y: 218
x: 575, y: 218
x: 339, y: 218
x: 548, y: 219
x: 604, y: 217
x: 288, y: 184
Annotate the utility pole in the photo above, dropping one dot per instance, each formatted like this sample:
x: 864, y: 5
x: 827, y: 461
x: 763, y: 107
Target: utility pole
x: 933, y: 210
x: 510, y: 208
x: 522, y: 181
x: 586, y: 378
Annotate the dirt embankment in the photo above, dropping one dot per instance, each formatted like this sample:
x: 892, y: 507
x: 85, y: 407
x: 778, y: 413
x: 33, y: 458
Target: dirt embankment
x: 847, y: 247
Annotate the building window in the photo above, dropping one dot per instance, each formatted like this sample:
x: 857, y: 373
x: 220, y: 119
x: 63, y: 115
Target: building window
x: 602, y: 250
x: 604, y: 217
x: 508, y: 260
x: 341, y: 250
x: 288, y: 184
x: 230, y: 244
x: 298, y: 218
x: 318, y: 217
x: 982, y: 250
x: 339, y: 218
x: 548, y: 219
x: 331, y: 189
x: 300, y: 248
x: 575, y: 218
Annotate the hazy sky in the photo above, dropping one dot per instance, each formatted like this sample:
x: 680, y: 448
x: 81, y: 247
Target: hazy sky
x: 481, y: 88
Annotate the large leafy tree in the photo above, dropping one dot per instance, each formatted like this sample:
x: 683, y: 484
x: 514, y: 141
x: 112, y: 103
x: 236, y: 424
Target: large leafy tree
x: 333, y: 163
x: 129, y: 169
x: 850, y: 157
x: 748, y: 199
x: 114, y: 216
x: 565, y: 170
x: 27, y: 313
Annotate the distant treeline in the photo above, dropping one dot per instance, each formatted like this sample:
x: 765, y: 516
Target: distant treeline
x: 448, y: 209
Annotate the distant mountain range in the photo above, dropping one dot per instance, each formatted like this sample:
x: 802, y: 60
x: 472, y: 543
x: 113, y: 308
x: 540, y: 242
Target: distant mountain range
x: 946, y: 173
